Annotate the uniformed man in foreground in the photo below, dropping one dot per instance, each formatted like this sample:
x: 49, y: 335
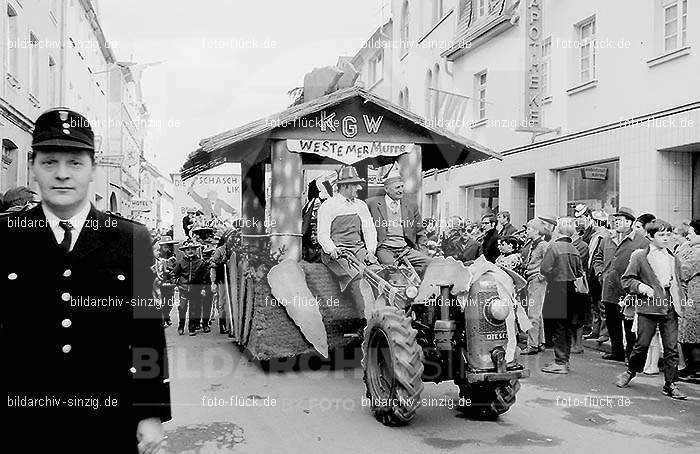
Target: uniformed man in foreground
x: 90, y: 373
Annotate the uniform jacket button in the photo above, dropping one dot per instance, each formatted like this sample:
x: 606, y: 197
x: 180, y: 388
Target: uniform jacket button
x: 121, y: 277
x: 12, y: 276
x: 132, y: 370
x: 66, y: 323
x: 67, y: 273
x: 65, y: 296
x: 66, y: 348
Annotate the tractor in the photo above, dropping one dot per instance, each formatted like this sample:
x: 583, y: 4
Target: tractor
x: 408, y: 341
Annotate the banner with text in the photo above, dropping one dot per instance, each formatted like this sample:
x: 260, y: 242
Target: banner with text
x: 348, y: 152
x: 212, y: 199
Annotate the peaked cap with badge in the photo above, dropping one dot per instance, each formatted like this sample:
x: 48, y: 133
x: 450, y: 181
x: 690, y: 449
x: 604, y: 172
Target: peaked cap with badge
x: 62, y: 129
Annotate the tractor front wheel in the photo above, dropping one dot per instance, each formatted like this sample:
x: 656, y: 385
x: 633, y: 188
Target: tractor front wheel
x: 488, y: 400
x: 393, y: 366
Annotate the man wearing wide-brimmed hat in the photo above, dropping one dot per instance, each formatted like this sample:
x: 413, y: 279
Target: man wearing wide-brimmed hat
x: 191, y: 275
x: 399, y: 224
x: 610, y: 262
x: 344, y: 222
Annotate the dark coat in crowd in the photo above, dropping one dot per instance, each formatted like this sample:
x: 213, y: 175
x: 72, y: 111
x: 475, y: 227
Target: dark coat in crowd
x: 610, y: 262
x: 81, y: 331
x: 489, y: 246
x: 561, y: 266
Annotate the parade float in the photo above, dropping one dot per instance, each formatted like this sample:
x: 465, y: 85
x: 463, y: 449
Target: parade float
x: 337, y: 123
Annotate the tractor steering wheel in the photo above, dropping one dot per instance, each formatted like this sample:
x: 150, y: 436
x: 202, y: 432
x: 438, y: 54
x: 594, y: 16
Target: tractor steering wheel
x: 401, y: 256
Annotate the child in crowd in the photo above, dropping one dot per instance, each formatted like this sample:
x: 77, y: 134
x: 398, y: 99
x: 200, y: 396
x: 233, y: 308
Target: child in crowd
x: 510, y: 257
x: 652, y: 277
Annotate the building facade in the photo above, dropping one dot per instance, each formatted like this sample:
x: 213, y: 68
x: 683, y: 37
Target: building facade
x: 584, y: 104
x: 55, y: 53
x: 155, y: 199
x: 29, y: 58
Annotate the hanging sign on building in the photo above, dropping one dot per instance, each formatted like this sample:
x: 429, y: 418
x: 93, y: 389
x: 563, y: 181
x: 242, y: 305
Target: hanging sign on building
x: 138, y: 204
x: 533, y: 66
x: 594, y: 173
x: 348, y: 152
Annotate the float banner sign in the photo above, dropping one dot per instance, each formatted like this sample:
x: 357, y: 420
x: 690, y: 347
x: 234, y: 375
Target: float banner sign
x: 348, y: 152
x: 216, y: 196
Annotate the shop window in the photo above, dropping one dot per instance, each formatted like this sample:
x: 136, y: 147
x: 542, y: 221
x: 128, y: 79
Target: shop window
x: 482, y: 200
x: 675, y: 22
x: 596, y: 185
x: 586, y: 52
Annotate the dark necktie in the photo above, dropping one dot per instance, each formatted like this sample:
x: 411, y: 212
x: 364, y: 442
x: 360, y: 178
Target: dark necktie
x: 67, y: 238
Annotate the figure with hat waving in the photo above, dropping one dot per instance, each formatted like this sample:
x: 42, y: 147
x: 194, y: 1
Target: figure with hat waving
x: 89, y: 277
x: 191, y: 274
x: 344, y: 222
x: 399, y: 224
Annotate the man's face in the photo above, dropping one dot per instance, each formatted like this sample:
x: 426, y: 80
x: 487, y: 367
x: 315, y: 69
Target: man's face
x: 190, y: 252
x: 349, y: 191
x: 622, y: 224
x: 582, y: 222
x: 63, y: 178
x: 661, y: 239
x: 502, y: 220
x: 487, y: 225
x: 395, y: 190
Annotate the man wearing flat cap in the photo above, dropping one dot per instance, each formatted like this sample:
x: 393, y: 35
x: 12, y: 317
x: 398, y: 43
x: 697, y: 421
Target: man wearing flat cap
x: 344, y: 222
x: 399, y: 225
x: 610, y: 261
x: 93, y: 377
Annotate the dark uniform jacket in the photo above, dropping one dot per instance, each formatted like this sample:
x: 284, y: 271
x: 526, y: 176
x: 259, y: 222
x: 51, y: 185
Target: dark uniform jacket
x: 191, y: 275
x: 80, y: 333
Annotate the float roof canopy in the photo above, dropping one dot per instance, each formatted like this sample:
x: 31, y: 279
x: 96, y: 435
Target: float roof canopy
x: 441, y: 148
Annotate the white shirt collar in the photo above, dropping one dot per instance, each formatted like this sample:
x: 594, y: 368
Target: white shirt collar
x: 389, y: 200
x: 77, y: 221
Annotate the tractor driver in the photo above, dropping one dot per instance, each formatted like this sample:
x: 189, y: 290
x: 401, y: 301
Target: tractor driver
x: 344, y: 222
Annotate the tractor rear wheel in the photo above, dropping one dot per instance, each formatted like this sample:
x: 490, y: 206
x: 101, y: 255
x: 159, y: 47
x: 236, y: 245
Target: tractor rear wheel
x: 488, y: 400
x: 393, y: 366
